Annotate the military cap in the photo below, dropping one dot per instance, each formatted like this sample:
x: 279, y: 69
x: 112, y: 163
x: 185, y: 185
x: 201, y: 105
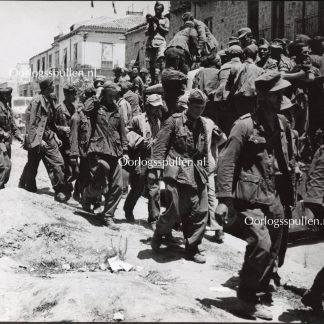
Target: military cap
x: 251, y: 48
x: 117, y: 69
x: 154, y: 100
x: 111, y: 87
x: 183, y: 101
x: 45, y: 83
x: 243, y: 32
x: 271, y: 81
x: 125, y: 85
x: 187, y: 16
x: 197, y: 95
x: 235, y: 49
x: 287, y: 104
x: 233, y: 40
x: 69, y: 88
x: 277, y: 43
x: 302, y: 38
x: 143, y: 70
x: 89, y: 92
x: 189, y: 23
x: 263, y: 43
x: 99, y: 81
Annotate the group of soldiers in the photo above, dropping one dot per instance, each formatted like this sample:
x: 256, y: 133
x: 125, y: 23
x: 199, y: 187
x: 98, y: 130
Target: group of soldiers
x: 228, y: 137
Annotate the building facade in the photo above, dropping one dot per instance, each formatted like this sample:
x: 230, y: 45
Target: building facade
x: 91, y: 48
x: 269, y: 19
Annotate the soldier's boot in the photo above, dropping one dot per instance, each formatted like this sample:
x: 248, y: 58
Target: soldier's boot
x: 156, y: 241
x: 255, y: 310
x: 193, y: 254
x: 170, y: 239
x: 218, y: 237
x: 60, y: 197
x: 110, y: 223
x: 313, y: 300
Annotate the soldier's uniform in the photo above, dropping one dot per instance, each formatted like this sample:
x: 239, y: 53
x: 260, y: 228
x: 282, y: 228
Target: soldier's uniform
x: 81, y: 125
x: 107, y: 143
x: 63, y: 121
x: 147, y: 128
x: 255, y: 170
x: 313, y: 297
x: 8, y: 129
x: 183, y: 148
x: 42, y: 143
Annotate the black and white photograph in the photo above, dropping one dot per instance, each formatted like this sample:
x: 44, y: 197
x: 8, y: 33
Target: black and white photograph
x: 162, y: 161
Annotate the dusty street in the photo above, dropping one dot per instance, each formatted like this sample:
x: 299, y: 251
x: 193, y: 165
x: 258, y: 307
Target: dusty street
x: 52, y: 267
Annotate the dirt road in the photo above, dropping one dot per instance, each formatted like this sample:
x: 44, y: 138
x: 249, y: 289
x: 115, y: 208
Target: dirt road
x: 53, y: 267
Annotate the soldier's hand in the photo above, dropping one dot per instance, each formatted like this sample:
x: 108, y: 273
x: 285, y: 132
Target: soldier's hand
x: 226, y: 209
x: 126, y: 158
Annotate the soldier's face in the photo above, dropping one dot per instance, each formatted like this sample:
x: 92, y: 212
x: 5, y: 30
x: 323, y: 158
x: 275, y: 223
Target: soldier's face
x: 158, y: 10
x: 263, y: 52
x: 195, y: 110
x: 274, y: 99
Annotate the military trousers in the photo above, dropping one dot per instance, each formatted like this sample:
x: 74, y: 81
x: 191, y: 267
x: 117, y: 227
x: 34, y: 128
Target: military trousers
x: 260, y: 227
x: 106, y: 180
x: 318, y: 285
x: 5, y: 165
x: 138, y: 181
x: 215, y: 221
x: 187, y: 205
x: 53, y: 161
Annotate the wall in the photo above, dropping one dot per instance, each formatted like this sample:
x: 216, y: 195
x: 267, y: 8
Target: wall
x: 227, y: 17
x: 135, y: 42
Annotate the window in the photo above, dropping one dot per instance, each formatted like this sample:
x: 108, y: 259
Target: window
x: 209, y: 23
x: 57, y: 59
x: 107, y: 56
x: 253, y: 16
x: 65, y: 59
x: 38, y: 65
x: 75, y: 51
x: 277, y: 19
x: 50, y: 61
x: 43, y: 63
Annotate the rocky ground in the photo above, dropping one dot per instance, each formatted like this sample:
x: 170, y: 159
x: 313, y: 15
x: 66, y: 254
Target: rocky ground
x: 53, y: 267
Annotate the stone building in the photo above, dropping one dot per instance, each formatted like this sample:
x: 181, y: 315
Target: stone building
x: 91, y: 47
x: 268, y: 19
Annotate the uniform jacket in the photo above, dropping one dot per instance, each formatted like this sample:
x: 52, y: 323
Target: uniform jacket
x: 241, y: 81
x: 8, y: 126
x: 125, y: 111
x: 182, y: 151
x: 269, y: 64
x: 215, y: 137
x: 207, y: 80
x: 63, y: 121
x: 205, y: 36
x: 133, y: 99
x: 253, y: 160
x: 41, y: 117
x: 221, y: 93
x: 80, y: 133
x: 156, y: 33
x: 187, y: 39
x: 108, y: 133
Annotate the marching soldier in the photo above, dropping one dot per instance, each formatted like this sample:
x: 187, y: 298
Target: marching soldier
x: 257, y: 155
x: 43, y: 143
x: 147, y: 125
x: 7, y: 129
x: 63, y: 121
x: 108, y: 143
x: 183, y: 138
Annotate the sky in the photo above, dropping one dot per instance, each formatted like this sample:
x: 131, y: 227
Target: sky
x: 28, y: 27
